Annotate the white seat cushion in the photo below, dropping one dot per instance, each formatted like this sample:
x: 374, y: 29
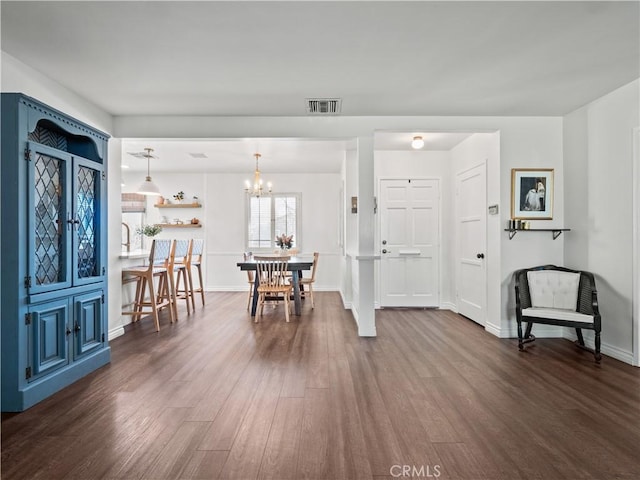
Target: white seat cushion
x: 553, y: 289
x: 557, y: 314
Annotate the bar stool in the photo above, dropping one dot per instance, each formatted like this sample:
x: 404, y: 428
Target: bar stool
x: 178, y: 266
x: 194, y: 259
x: 144, y: 275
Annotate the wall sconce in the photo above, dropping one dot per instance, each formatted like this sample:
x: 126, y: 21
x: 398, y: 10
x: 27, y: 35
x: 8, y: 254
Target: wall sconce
x: 354, y: 204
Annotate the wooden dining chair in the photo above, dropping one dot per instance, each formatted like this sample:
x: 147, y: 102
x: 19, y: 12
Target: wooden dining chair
x: 144, y: 275
x: 272, y: 283
x: 308, y: 282
x: 177, y: 268
x: 251, y: 279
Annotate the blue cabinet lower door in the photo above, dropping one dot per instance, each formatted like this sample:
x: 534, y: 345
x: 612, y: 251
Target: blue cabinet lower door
x: 49, y: 348
x: 88, y: 333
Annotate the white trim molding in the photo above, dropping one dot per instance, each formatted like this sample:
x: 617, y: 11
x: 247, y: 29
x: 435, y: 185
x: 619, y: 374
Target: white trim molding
x: 635, y: 357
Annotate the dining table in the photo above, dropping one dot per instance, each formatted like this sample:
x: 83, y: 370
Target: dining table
x: 296, y: 265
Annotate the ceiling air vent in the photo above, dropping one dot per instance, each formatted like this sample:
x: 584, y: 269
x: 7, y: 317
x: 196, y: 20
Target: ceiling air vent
x: 324, y: 106
x: 198, y: 155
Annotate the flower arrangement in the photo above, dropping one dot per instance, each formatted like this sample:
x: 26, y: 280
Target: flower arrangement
x: 284, y: 241
x: 178, y: 197
x: 149, y: 230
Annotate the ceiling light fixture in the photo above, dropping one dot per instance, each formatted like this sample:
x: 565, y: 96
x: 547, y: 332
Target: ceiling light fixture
x: 257, y: 189
x: 417, y: 142
x: 148, y: 187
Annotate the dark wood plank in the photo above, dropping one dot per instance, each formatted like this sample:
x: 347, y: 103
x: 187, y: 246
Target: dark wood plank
x: 280, y: 458
x: 217, y: 396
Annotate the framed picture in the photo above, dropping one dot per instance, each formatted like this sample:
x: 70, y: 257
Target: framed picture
x: 532, y: 193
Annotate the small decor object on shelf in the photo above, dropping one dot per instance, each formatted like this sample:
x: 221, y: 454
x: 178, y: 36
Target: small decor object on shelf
x: 149, y: 230
x: 195, y: 221
x: 178, y: 197
x: 284, y: 242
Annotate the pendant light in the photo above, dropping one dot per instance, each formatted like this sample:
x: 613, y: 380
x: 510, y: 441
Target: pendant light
x: 148, y: 187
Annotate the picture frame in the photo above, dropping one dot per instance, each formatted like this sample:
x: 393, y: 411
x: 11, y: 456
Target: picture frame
x: 532, y: 193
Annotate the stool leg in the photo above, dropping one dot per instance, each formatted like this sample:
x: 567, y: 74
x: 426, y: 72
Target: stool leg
x: 182, y: 274
x: 201, y: 283
x: 191, y: 289
x: 173, y: 302
x: 139, y: 298
x: 152, y: 300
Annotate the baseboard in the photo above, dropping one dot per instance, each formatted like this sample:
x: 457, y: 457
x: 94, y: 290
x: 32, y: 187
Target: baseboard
x: 539, y: 330
x: 116, y: 332
x: 493, y: 330
x: 345, y: 304
x: 449, y: 306
x: 605, y: 348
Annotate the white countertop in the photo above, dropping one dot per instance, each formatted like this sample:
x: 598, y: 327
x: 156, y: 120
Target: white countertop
x: 134, y: 254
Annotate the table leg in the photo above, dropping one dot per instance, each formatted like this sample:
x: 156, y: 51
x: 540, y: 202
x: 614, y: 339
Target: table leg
x: 254, y: 300
x: 296, y: 292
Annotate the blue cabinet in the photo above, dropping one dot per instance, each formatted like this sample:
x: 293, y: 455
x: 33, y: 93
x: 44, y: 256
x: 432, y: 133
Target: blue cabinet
x: 54, y: 251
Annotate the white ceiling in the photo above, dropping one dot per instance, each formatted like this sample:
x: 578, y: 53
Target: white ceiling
x: 381, y: 58
x: 278, y: 155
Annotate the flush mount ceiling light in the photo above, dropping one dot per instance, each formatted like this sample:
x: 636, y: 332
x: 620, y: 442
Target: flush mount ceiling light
x: 257, y: 189
x: 148, y: 187
x: 417, y: 142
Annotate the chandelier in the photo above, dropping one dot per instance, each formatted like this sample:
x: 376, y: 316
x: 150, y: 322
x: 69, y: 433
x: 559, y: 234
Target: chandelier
x: 257, y: 189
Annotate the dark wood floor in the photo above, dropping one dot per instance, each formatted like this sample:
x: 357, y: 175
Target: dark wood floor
x: 216, y: 396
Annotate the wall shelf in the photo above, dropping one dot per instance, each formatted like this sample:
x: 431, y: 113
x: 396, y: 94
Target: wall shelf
x: 556, y: 232
x: 177, y: 205
x: 180, y: 225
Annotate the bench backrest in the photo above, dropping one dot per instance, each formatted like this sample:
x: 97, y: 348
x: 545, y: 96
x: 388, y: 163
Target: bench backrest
x: 553, y: 289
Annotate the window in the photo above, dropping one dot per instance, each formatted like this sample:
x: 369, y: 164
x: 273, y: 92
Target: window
x: 270, y: 216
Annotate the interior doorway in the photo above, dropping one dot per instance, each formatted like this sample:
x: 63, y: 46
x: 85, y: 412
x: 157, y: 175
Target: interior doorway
x: 471, y: 228
x: 410, y: 232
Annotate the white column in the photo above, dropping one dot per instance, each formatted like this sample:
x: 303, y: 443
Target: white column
x: 366, y: 224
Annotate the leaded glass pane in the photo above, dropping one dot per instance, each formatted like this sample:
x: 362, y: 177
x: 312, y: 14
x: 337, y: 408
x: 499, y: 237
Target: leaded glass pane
x: 48, y: 220
x: 87, y: 228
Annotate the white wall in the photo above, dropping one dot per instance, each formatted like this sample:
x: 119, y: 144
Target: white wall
x: 223, y: 219
x: 20, y: 78
x: 599, y: 154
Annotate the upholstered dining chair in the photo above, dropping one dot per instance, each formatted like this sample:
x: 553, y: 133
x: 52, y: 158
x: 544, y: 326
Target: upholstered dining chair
x: 250, y: 280
x: 308, y: 282
x: 272, y: 282
x: 144, y: 275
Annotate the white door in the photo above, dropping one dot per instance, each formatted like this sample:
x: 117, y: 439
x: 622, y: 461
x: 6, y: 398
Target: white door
x: 409, y: 233
x: 471, y: 192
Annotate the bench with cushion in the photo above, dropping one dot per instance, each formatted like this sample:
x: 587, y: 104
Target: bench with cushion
x: 557, y: 296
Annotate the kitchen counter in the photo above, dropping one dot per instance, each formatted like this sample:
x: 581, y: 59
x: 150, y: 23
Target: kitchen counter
x: 134, y: 254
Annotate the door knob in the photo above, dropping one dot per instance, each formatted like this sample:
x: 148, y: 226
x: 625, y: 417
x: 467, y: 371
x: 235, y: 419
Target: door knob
x: 480, y: 255
x: 384, y: 250
x: 384, y: 242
